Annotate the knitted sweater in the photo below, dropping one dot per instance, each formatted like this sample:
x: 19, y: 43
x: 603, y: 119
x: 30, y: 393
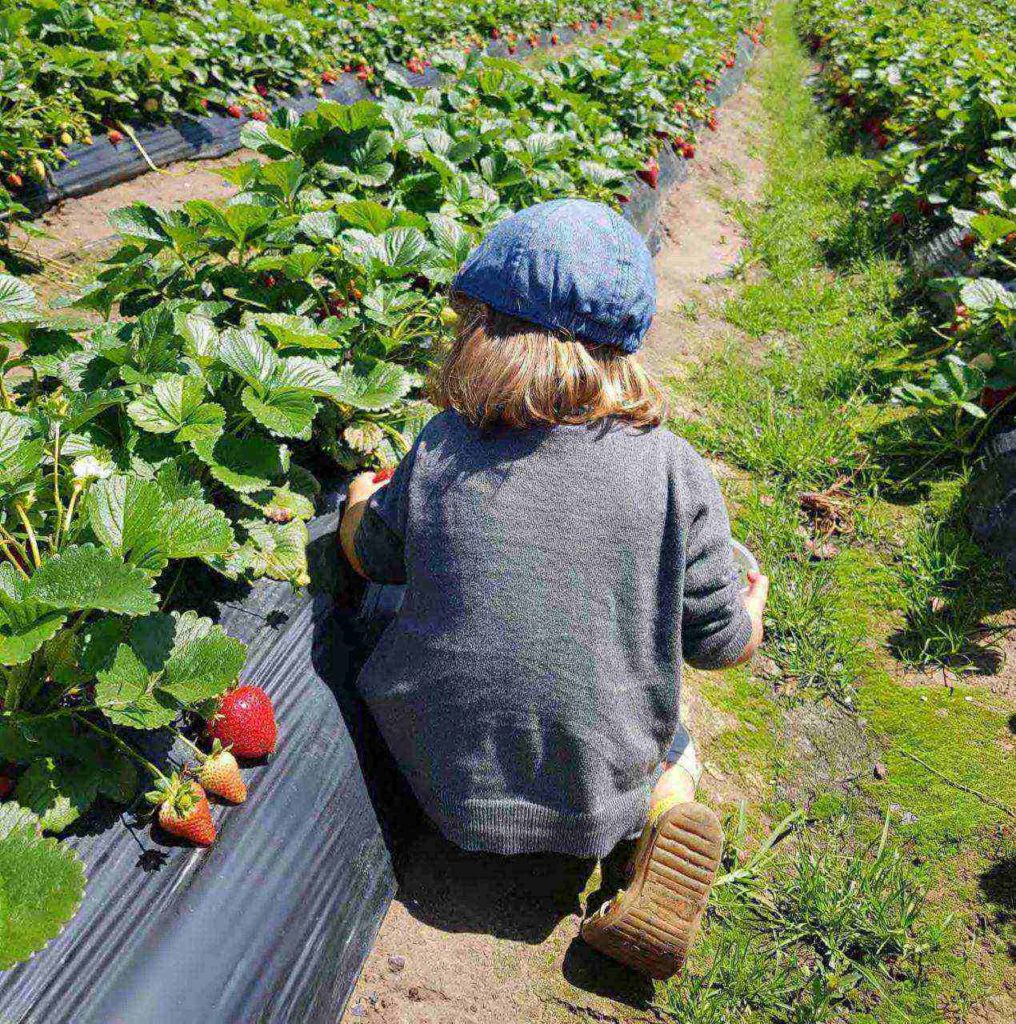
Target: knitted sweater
x: 529, y: 686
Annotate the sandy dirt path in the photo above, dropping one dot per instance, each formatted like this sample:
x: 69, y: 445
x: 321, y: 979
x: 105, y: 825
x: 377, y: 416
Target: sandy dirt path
x: 485, y: 940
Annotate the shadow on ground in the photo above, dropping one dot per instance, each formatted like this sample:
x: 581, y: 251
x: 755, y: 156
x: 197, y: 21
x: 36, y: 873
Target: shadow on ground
x: 520, y: 899
x: 998, y: 886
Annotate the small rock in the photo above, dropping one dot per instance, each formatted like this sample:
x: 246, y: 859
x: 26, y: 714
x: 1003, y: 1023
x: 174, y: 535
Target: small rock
x: 909, y: 818
x: 880, y: 770
x: 396, y: 963
x: 358, y: 1011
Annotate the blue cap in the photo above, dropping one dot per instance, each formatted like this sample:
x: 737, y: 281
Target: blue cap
x: 568, y: 265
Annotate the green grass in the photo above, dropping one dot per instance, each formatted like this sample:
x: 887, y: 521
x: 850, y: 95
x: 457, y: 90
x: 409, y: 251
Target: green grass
x: 891, y: 898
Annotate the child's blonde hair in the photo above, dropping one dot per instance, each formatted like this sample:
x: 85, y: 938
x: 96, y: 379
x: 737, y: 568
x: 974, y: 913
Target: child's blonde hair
x: 506, y: 372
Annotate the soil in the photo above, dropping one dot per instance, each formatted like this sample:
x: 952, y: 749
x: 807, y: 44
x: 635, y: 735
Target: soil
x: 473, y: 939
x: 81, y: 226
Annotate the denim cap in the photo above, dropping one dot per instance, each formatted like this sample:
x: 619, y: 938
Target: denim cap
x: 569, y: 265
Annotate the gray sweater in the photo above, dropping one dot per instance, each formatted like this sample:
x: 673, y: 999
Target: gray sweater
x: 556, y: 577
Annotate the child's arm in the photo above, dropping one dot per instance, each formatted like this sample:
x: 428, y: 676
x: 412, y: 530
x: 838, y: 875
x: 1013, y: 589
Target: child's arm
x: 721, y: 625
x: 361, y: 487
x: 374, y: 526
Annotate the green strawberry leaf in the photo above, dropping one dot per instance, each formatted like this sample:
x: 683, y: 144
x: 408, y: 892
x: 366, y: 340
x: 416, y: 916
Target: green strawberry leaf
x: 124, y: 693
x: 124, y: 513
x: 19, y: 457
x: 25, y: 624
x: 277, y: 550
x: 176, y: 405
x: 246, y: 353
x: 203, y: 667
x: 87, y: 576
x: 58, y: 792
x: 243, y: 464
x: 291, y: 331
x: 378, y: 388
x: 42, y: 883
x: 17, y: 300
x: 285, y: 412
x: 192, y: 528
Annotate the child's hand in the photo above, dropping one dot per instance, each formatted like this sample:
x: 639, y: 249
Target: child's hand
x: 363, y: 485
x: 755, y: 599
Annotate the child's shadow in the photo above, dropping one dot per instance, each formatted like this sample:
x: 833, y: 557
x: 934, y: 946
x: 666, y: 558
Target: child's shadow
x: 520, y: 899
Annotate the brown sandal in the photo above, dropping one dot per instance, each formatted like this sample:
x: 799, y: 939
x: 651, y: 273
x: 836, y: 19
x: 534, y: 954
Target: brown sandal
x: 651, y: 925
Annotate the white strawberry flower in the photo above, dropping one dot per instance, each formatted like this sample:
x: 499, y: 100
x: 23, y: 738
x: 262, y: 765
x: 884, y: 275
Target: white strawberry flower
x: 88, y: 468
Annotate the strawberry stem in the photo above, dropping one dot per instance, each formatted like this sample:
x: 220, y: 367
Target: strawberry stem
x: 200, y: 754
x: 124, y: 746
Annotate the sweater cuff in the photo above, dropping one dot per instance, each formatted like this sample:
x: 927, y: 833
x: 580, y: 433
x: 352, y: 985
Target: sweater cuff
x: 723, y: 648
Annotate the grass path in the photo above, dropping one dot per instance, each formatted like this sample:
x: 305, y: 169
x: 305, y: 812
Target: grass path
x: 895, y: 899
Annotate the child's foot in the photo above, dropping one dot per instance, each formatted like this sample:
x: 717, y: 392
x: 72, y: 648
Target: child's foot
x: 650, y: 926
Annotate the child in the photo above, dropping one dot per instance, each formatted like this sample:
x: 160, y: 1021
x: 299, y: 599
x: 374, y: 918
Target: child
x: 563, y: 553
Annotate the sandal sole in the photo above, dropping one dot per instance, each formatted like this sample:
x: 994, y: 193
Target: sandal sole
x: 652, y: 925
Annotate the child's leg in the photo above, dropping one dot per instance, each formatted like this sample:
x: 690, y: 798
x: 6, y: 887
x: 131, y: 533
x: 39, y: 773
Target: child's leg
x: 650, y: 926
x: 681, y: 773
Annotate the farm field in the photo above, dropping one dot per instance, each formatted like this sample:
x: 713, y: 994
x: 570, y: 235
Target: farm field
x: 837, y: 329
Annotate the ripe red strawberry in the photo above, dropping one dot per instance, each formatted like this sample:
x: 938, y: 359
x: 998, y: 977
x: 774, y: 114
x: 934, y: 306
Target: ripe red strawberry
x: 554, y: 39
x: 923, y: 206
x: 204, y: 103
x: 622, y: 198
x: 114, y: 136
x: 897, y: 219
x: 679, y: 107
x: 650, y: 173
x: 183, y: 809
x: 245, y: 722
x: 512, y: 48
x: 8, y: 780
x: 329, y: 77
x: 383, y: 475
x: 261, y: 90
x: 593, y: 26
x: 991, y: 397
x: 14, y: 180
x: 220, y: 774
x: 688, y: 151
x: 234, y: 110
x: 495, y: 33
x: 259, y: 115
x: 967, y: 241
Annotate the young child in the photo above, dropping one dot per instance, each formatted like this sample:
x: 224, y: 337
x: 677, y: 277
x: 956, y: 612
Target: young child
x: 563, y: 553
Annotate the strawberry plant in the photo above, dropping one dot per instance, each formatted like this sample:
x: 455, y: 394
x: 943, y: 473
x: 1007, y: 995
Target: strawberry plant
x: 934, y: 91
x: 70, y: 70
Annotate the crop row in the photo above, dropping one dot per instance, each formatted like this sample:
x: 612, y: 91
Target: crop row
x: 69, y: 70
x: 256, y: 342
x: 933, y: 89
